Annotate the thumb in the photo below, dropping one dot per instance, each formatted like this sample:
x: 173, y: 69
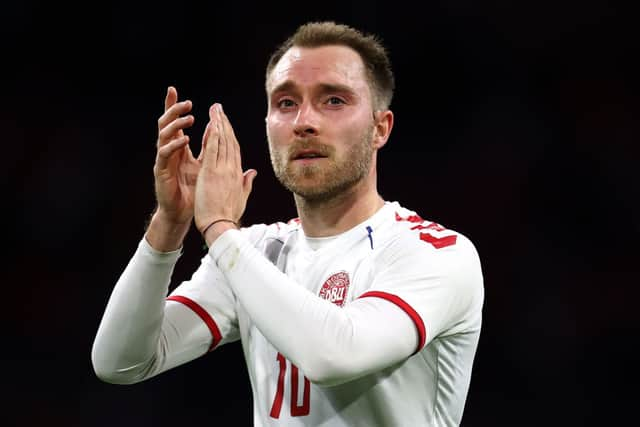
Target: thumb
x: 247, y: 180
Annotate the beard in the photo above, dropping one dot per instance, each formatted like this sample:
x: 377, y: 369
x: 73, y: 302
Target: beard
x: 332, y: 176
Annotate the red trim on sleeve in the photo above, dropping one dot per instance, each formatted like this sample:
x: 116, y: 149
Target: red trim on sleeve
x: 202, y: 313
x: 422, y: 333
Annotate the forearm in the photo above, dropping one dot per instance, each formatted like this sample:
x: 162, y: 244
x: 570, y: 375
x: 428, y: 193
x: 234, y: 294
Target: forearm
x: 127, y: 338
x: 329, y: 344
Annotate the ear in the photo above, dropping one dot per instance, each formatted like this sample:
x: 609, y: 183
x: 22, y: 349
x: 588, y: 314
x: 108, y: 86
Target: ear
x: 382, y: 127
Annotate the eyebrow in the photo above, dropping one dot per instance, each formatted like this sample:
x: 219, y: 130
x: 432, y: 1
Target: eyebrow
x: 289, y: 85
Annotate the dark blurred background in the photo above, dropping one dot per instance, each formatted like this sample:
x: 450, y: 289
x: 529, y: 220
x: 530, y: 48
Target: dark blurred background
x: 516, y: 124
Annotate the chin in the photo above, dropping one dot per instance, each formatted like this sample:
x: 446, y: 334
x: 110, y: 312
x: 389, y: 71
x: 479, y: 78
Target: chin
x: 308, y: 191
x: 322, y: 192
x: 316, y: 184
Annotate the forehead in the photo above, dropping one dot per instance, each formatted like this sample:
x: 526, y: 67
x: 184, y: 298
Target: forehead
x: 327, y: 64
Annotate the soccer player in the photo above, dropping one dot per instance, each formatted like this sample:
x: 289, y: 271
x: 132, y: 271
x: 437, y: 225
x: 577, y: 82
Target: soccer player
x: 358, y: 312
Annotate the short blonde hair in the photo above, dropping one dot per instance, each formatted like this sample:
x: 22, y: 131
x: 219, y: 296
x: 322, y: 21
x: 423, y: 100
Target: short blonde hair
x: 373, y: 54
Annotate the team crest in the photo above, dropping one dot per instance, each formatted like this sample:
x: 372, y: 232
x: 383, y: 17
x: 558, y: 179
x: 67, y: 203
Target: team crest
x: 335, y: 288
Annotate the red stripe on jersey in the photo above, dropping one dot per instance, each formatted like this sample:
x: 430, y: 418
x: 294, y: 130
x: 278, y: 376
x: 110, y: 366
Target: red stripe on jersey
x: 422, y: 333
x: 202, y: 313
x: 410, y: 218
x: 433, y: 226
x: 439, y: 242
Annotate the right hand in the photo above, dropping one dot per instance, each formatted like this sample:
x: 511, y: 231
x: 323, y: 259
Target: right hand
x: 175, y: 170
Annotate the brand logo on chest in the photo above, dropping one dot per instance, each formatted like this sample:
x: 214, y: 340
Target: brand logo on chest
x: 335, y: 288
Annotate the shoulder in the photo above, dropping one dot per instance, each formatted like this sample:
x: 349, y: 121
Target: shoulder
x: 424, y: 242
x: 430, y: 266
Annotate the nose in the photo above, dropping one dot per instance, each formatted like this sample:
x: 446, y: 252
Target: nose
x: 306, y: 121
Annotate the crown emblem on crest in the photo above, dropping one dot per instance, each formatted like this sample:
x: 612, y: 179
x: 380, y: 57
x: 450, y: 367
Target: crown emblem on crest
x: 335, y: 288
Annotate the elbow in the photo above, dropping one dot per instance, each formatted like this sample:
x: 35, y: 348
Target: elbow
x: 326, y: 370
x: 332, y: 362
x: 112, y: 376
x: 108, y: 372
x: 108, y: 376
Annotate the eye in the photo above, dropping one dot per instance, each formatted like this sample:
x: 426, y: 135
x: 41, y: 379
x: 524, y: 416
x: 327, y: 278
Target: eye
x: 286, y: 103
x: 334, y: 100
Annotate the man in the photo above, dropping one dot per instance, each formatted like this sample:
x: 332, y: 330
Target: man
x: 359, y: 312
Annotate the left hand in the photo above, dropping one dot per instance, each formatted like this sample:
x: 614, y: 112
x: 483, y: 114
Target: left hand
x: 222, y: 188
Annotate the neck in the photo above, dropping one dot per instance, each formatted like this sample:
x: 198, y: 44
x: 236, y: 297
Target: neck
x: 321, y: 218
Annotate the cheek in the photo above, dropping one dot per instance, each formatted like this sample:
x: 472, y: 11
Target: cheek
x: 277, y: 129
x: 354, y: 130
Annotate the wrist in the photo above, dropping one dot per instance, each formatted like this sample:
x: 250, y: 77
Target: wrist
x: 165, y: 235
x: 215, y: 229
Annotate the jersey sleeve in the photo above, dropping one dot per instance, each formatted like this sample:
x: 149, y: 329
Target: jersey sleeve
x: 209, y: 297
x: 332, y: 345
x: 208, y: 294
x: 140, y: 335
x: 440, y: 287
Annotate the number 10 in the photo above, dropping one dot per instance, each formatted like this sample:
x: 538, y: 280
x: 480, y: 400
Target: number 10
x: 296, y: 410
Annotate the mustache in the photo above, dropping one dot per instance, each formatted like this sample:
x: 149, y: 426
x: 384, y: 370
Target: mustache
x: 309, y: 145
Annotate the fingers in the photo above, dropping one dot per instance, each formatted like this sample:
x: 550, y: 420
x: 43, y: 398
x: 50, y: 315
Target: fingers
x: 219, y: 141
x: 171, y: 98
x: 166, y: 151
x: 223, y: 140
x: 210, y: 145
x: 205, y: 137
x: 173, y: 108
x: 233, y: 148
x: 171, y: 124
x: 174, y: 111
x: 174, y: 128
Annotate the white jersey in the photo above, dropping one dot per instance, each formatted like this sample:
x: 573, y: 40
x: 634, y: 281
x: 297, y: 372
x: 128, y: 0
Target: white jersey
x: 430, y: 273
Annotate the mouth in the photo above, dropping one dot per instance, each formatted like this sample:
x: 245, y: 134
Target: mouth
x: 308, y: 155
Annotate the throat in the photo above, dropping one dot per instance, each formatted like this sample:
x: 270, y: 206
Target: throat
x: 334, y: 215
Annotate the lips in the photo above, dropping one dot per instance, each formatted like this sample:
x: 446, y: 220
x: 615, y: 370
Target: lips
x: 307, y: 154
